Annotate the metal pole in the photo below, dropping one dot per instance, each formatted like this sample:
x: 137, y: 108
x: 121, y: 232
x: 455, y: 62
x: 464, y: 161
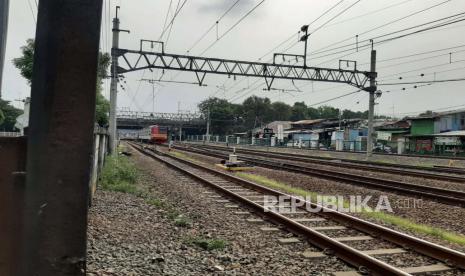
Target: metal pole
x: 4, y: 8
x: 208, y: 121
x: 114, y: 84
x: 305, y: 51
x: 371, y: 104
x: 60, y: 138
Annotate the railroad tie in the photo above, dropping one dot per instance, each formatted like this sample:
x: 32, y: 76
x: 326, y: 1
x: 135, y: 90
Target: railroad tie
x: 425, y: 269
x: 289, y: 240
x: 354, y: 238
x: 386, y: 251
x: 242, y: 213
x: 309, y: 219
x: 269, y: 229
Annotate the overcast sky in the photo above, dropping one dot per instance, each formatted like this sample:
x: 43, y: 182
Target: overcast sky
x: 266, y: 27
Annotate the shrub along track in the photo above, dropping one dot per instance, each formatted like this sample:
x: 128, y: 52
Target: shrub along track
x: 446, y: 196
x: 325, y: 220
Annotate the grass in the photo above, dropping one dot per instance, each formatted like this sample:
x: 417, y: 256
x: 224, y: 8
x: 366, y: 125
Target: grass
x: 120, y: 175
x: 208, y: 244
x: 379, y: 216
x: 182, y: 221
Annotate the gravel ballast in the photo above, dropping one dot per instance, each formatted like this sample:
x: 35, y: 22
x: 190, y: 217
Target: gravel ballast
x: 130, y: 235
x: 446, y: 217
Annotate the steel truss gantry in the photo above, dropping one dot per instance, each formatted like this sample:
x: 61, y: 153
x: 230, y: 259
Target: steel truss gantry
x: 140, y: 60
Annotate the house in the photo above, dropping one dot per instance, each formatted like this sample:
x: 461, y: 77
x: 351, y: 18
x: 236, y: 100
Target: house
x: 426, y: 128
x: 325, y: 132
x: 391, y: 131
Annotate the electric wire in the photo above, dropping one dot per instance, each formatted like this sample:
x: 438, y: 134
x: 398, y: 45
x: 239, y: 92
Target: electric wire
x: 213, y: 26
x: 232, y: 27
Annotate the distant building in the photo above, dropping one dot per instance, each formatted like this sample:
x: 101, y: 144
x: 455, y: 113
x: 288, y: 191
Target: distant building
x: 438, y: 132
x: 391, y: 131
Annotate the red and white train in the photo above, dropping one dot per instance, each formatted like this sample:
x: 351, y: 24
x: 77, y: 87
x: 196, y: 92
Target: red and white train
x: 153, y: 134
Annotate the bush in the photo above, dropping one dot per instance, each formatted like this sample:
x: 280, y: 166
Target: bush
x: 119, y: 174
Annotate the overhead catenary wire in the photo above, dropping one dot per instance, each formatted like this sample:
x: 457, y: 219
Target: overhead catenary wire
x: 232, y: 27
x: 369, y: 44
x: 309, y: 24
x: 420, y: 82
x: 213, y: 25
x: 451, y: 18
x: 379, y: 27
x: 172, y: 20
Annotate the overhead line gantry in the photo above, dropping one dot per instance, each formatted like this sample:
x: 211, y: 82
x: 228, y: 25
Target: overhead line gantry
x: 135, y: 60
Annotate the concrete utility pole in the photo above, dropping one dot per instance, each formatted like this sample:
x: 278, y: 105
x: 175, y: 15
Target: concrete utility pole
x: 114, y: 83
x: 4, y: 8
x: 371, y: 104
x: 60, y: 139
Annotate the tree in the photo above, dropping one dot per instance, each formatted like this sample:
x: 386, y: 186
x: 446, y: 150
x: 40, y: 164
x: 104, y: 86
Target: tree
x: 280, y: 111
x: 9, y: 114
x: 299, y: 111
x: 256, y: 111
x: 222, y: 115
x: 25, y: 62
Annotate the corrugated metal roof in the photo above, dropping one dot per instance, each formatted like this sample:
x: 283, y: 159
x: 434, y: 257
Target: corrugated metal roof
x: 308, y: 122
x: 452, y: 133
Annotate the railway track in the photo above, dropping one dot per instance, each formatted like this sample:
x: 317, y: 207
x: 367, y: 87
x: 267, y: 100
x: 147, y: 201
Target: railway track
x: 407, y: 170
x: 446, y: 196
x: 316, y: 227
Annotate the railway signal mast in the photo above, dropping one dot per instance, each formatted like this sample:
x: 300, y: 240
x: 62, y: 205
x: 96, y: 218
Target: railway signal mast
x: 134, y: 60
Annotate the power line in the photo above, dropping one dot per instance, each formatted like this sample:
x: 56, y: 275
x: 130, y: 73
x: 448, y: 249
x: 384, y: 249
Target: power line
x: 417, y: 54
x: 172, y: 19
x: 368, y: 13
x: 321, y: 26
x: 421, y: 59
x: 369, y: 44
x: 233, y: 26
x: 423, y: 68
x: 32, y: 10
x: 420, y: 82
x: 335, y: 98
x: 292, y: 36
x: 318, y: 51
x: 214, y: 24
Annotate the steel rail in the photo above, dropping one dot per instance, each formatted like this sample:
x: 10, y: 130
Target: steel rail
x: 446, y: 196
x: 308, y: 159
x: 358, y: 259
x: 371, y: 164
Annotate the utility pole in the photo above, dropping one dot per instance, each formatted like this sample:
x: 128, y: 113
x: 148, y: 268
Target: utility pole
x: 114, y: 82
x: 208, y: 122
x: 55, y: 194
x: 4, y: 8
x: 304, y: 38
x: 371, y: 104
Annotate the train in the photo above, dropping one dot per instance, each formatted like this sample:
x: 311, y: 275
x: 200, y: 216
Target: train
x: 153, y: 134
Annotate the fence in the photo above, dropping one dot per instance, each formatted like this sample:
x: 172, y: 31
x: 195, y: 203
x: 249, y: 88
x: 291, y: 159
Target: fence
x: 354, y: 146
x: 99, y: 153
x: 9, y: 134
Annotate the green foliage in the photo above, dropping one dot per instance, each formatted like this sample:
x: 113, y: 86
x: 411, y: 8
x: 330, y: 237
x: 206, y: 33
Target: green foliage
x: 25, y: 62
x: 119, y: 174
x: 228, y: 118
x: 182, y: 221
x: 8, y: 115
x: 208, y: 244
